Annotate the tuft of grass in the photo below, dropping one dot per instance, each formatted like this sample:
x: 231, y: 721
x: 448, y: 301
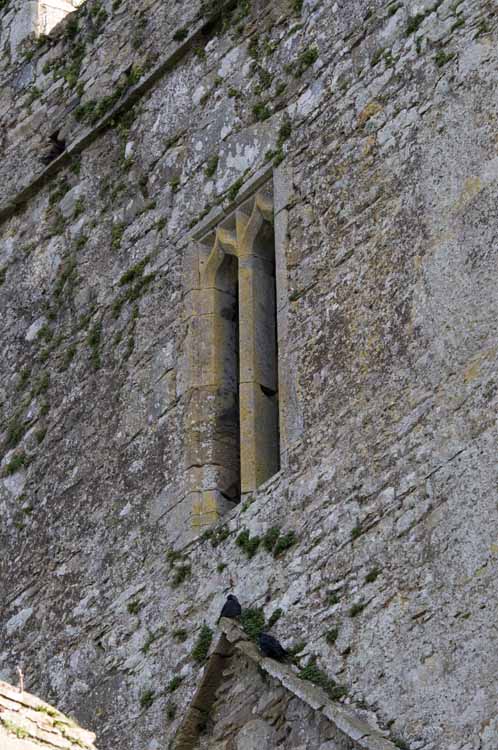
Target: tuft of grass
x: 42, y: 383
x: 253, y: 621
x: 172, y: 556
x: 443, y: 57
x: 297, y: 648
x: 392, y: 9
x: 482, y: 28
x: 180, y: 34
x: 40, y: 435
x: 134, y: 607
x: 47, y: 710
x: 312, y: 673
x: 284, y: 132
x: 152, y: 638
x: 211, y: 166
x: 297, y: 6
x: 233, y: 191
x: 93, y: 340
x: 147, y: 699
x: 117, y: 232
x: 376, y: 57
x: 175, y: 683
x: 261, y: 111
x: 305, y: 60
x: 357, y: 608
x: 413, y: 23
x: 284, y: 542
x: 134, y: 272
x: 171, y: 709
x: 201, y: 648
x: 16, y: 463
x: 356, y: 531
x: 332, y: 598
x: 68, y: 356
x: 275, y: 616
x: 248, y: 544
x: 81, y: 242
x: 24, y: 376
x: 372, y: 575
x: 270, y: 538
x: 458, y: 23
x: 331, y: 635
x: 19, y: 732
x: 181, y: 574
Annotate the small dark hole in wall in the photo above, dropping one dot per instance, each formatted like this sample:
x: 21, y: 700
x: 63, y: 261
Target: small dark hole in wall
x: 268, y: 391
x: 55, y: 147
x: 232, y: 493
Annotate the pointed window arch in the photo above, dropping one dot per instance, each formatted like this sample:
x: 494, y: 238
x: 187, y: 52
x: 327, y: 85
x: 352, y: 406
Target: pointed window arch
x: 233, y: 433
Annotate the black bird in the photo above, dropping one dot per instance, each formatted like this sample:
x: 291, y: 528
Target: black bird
x: 271, y: 647
x: 231, y: 608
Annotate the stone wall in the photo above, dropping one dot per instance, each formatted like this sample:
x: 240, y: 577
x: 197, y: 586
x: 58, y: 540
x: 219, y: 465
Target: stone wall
x: 381, y: 119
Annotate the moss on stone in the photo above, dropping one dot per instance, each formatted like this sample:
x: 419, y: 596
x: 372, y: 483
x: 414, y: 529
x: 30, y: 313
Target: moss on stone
x: 174, y: 683
x: 201, y: 647
x: 312, y: 673
x: 270, y: 538
x: 253, y: 621
x: 181, y: 574
x: 16, y: 463
x: 284, y: 542
x: 247, y: 543
x: 372, y: 575
x: 147, y: 699
x: 275, y: 616
x: 331, y: 635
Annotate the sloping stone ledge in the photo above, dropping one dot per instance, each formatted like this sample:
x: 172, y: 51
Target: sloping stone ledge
x: 27, y: 723
x: 233, y: 639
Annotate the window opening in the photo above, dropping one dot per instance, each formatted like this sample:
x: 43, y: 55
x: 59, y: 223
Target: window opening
x: 234, y: 414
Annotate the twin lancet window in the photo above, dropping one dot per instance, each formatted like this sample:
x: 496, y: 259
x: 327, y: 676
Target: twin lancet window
x: 233, y: 441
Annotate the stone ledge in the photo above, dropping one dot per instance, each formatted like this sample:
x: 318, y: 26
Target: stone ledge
x: 26, y: 723
x: 342, y: 717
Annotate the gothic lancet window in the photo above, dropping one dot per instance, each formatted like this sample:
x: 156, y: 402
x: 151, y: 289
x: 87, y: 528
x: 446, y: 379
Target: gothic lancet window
x: 233, y: 443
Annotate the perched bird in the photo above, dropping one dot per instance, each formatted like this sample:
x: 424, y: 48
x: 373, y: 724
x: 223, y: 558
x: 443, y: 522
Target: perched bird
x: 231, y: 608
x: 271, y: 647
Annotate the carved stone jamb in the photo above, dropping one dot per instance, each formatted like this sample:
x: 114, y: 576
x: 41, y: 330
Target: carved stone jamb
x: 212, y: 441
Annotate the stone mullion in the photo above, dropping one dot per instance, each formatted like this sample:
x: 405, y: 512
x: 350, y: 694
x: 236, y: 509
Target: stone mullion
x: 257, y: 362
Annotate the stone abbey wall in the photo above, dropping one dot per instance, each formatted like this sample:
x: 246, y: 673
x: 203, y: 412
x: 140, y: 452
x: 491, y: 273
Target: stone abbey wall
x: 136, y: 125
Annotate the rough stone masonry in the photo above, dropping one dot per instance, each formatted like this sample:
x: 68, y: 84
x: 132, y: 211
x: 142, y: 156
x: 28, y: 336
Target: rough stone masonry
x: 125, y: 134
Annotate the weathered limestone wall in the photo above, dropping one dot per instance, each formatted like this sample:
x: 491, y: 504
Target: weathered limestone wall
x: 389, y: 481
